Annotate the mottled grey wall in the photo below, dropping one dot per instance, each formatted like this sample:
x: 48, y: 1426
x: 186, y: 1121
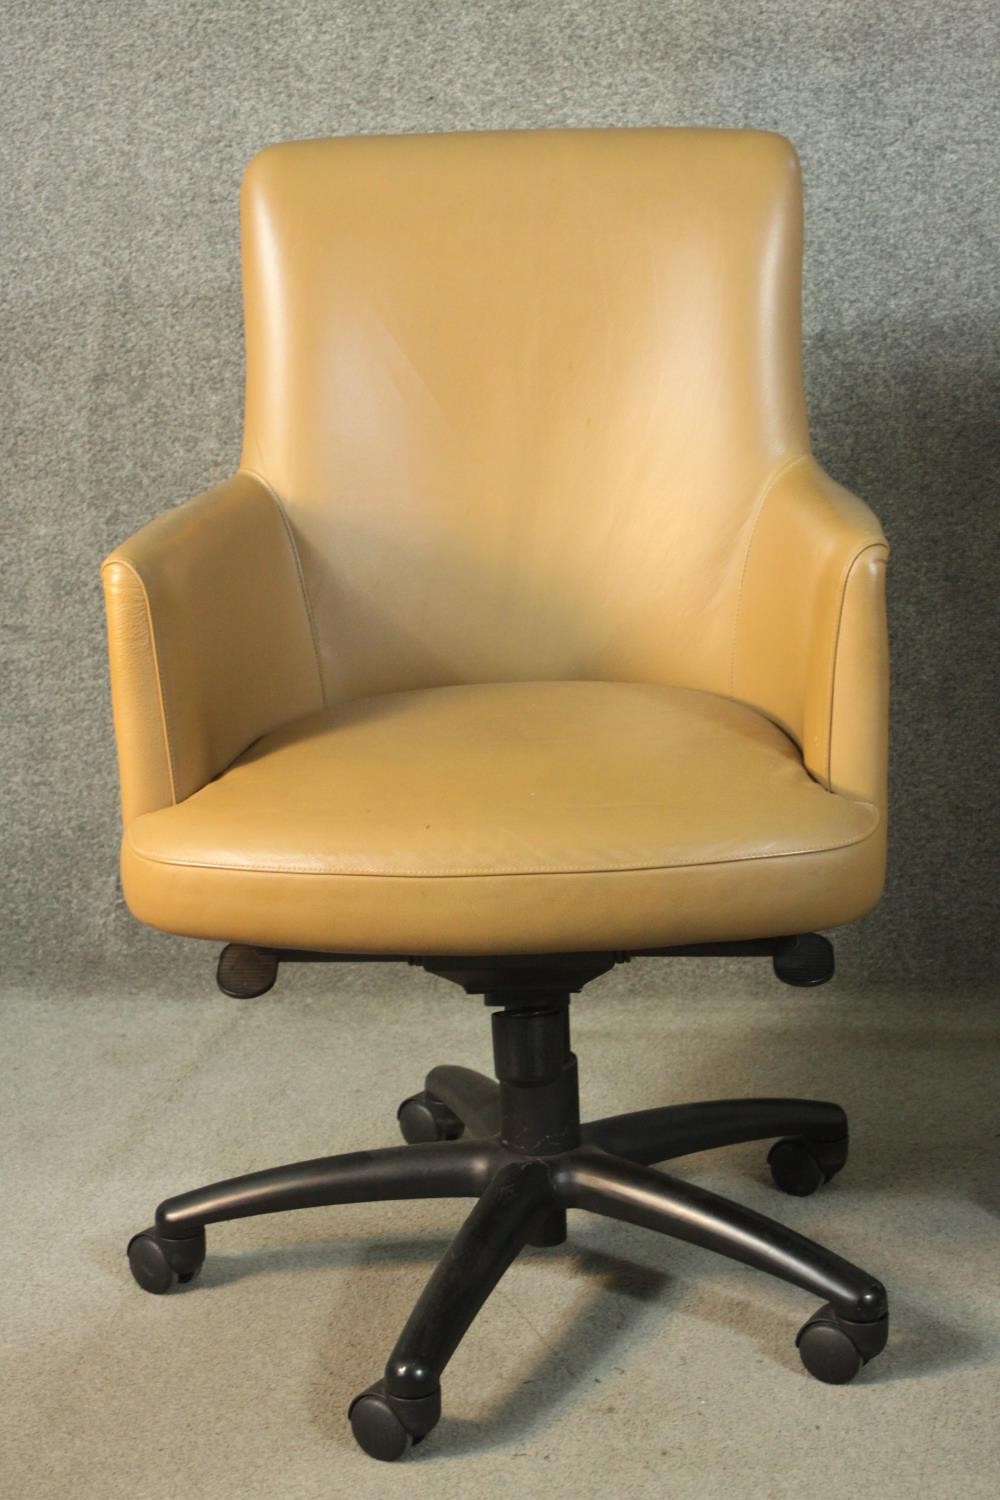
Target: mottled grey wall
x: 124, y: 127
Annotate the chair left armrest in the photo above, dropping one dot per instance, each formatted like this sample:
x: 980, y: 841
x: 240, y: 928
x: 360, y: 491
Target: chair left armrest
x: 811, y: 646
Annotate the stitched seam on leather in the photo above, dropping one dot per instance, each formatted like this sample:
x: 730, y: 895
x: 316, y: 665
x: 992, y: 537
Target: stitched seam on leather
x: 503, y: 874
x: 306, y: 601
x: 121, y: 562
x: 844, y: 583
x: 765, y: 490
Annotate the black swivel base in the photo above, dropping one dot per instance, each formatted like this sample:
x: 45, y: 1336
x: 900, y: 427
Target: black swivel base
x: 517, y: 1146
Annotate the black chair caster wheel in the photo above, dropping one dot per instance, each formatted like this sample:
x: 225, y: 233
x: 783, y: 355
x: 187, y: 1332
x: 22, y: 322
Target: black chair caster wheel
x: 377, y: 1429
x: 158, y: 1264
x: 386, y: 1427
x: 244, y: 973
x: 834, y: 1350
x: 424, y: 1118
x: 800, y: 1167
x: 804, y: 960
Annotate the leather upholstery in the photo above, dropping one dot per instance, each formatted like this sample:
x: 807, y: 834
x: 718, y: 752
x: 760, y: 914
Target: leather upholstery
x: 538, y: 623
x: 506, y: 817
x: 525, y: 389
x: 810, y: 647
x: 210, y: 640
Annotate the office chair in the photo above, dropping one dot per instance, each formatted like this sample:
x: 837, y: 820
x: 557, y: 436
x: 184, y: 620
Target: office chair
x: 528, y: 637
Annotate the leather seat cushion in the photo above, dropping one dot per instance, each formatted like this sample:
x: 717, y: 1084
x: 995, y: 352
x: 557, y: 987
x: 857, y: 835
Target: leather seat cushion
x: 509, y: 817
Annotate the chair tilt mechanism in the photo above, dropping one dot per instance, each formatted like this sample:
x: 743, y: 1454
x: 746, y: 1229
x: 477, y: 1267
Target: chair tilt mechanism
x: 518, y: 1147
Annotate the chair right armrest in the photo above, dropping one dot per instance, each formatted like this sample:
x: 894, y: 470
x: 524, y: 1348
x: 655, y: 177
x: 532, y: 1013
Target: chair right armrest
x: 210, y: 640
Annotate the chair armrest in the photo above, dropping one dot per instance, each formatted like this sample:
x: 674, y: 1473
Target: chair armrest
x: 210, y: 640
x: 810, y: 647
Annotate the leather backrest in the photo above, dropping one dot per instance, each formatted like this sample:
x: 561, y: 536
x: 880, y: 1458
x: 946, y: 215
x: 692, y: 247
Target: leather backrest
x: 523, y: 393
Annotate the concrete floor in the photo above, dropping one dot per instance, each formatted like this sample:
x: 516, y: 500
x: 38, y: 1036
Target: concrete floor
x: 618, y: 1365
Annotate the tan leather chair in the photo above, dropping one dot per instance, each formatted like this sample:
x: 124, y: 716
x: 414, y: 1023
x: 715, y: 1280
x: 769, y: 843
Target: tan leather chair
x: 528, y: 636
